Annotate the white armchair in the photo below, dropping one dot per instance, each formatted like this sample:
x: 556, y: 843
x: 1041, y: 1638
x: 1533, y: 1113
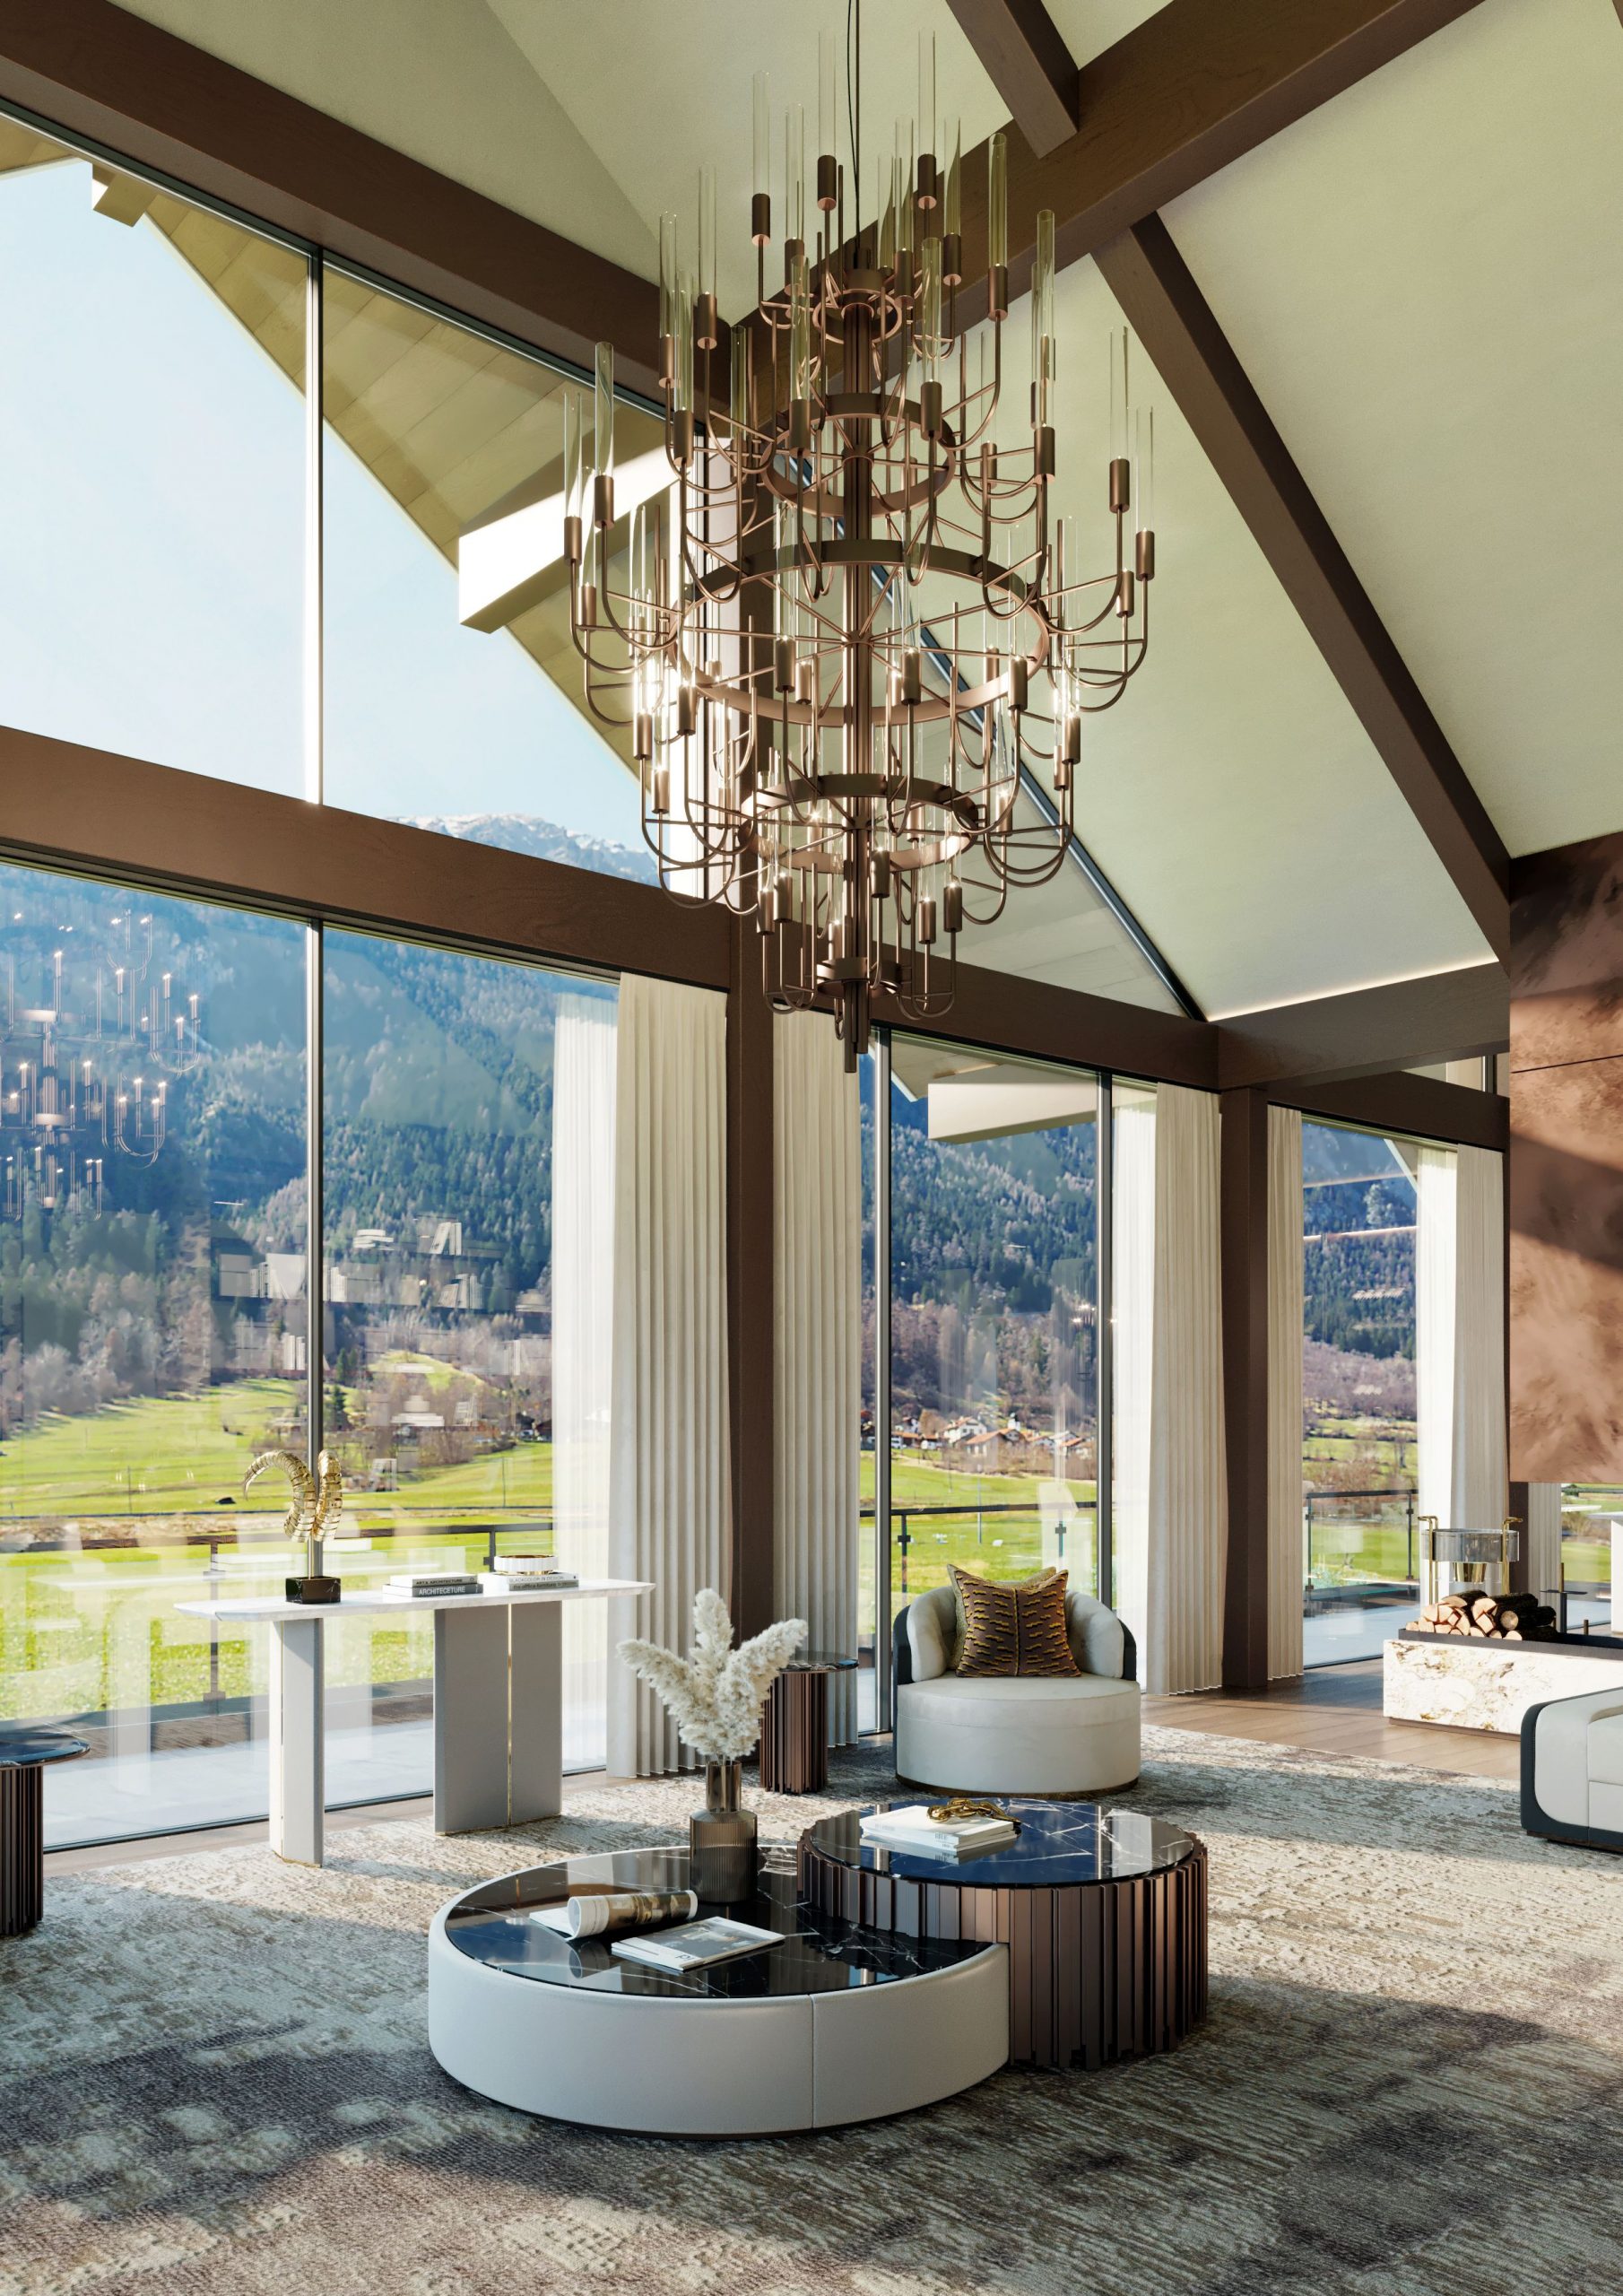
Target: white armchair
x: 1016, y: 1733
x: 1572, y: 1769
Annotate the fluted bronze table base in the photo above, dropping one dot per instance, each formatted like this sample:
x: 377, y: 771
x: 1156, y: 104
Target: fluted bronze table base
x: 1097, y: 1971
x: 795, y: 1733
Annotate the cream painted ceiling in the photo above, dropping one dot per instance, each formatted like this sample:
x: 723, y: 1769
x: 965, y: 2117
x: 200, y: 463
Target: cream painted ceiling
x: 1421, y: 279
x: 1424, y: 280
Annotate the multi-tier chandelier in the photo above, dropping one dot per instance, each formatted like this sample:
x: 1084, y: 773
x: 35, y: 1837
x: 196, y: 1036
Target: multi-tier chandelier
x: 86, y: 1066
x: 847, y: 637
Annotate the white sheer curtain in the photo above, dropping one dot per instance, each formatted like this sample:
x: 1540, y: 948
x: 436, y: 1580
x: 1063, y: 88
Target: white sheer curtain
x: 1286, y: 1561
x: 583, y: 1304
x: 1133, y: 1273
x: 1460, y: 1337
x: 669, y: 1489
x: 818, y: 1352
x: 1188, y: 1511
x: 1435, y: 1265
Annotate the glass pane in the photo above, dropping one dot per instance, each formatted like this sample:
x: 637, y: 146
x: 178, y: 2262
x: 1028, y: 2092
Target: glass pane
x: 1359, y: 1452
x: 1588, y: 1532
x: 453, y: 689
x: 468, y: 1138
x: 151, y: 586
x: 867, y: 1624
x: 993, y: 1318
x: 151, y: 1291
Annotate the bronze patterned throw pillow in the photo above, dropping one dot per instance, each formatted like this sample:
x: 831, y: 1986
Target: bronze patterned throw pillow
x: 1014, y: 1630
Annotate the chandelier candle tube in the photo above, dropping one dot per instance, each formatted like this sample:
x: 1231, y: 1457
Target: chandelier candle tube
x: 705, y: 332
x: 828, y: 124
x: 795, y: 179
x: 760, y: 203
x: 571, y: 477
x: 904, y: 192
x: 667, y: 298
x: 738, y: 407
x: 1043, y: 362
x: 998, y: 226
x: 926, y: 120
x: 603, y: 437
x: 953, y: 213
x: 1144, y: 551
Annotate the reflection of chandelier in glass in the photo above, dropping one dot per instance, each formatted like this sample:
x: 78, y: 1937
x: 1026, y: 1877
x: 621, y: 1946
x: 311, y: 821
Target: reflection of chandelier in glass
x: 855, y: 628
x: 76, y: 1081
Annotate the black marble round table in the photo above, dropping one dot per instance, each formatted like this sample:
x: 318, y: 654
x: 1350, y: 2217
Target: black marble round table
x: 795, y: 1728
x: 1103, y: 1910
x: 24, y: 1751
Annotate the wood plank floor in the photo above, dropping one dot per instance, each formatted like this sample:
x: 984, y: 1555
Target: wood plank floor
x: 1337, y: 1711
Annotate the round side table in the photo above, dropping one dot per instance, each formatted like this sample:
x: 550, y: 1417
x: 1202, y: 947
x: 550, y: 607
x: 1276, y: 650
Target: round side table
x: 1103, y: 1912
x: 23, y: 1755
x: 795, y: 1730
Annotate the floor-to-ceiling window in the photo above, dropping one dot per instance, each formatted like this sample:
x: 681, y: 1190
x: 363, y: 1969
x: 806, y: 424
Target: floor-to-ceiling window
x: 1359, y: 1449
x: 153, y: 1321
x: 993, y: 1322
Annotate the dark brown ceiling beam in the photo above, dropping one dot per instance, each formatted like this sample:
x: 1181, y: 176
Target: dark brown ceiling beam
x: 95, y: 812
x: 1028, y: 62
x: 1172, y: 318
x: 1446, y: 1017
x: 1038, y: 1020
x: 101, y: 73
x: 1197, y: 85
x: 1418, y: 1107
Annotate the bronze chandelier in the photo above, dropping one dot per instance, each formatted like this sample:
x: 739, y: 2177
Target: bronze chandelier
x: 848, y: 634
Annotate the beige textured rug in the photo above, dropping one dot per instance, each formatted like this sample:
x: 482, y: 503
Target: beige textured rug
x: 213, y: 2078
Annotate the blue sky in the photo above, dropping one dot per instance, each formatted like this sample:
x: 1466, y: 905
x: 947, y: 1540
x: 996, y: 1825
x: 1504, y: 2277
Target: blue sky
x: 150, y: 584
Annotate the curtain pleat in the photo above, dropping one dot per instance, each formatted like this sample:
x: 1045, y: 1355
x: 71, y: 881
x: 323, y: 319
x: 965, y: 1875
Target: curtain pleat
x: 669, y: 1478
x: 582, y: 1356
x: 1133, y: 1260
x: 1437, y: 1261
x: 1286, y: 1278
x: 1460, y: 1338
x: 818, y: 1351
x: 1188, y: 1508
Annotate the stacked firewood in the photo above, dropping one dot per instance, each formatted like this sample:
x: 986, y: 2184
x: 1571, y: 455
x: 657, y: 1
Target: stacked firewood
x: 1510, y: 1618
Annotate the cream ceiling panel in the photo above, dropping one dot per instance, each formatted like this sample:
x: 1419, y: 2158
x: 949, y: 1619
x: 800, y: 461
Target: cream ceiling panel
x: 439, y: 80
x: 1231, y: 795
x: 1423, y: 282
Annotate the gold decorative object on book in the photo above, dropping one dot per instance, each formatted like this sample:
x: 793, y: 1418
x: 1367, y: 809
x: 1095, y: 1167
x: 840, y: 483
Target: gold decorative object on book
x: 317, y: 1505
x: 965, y: 1805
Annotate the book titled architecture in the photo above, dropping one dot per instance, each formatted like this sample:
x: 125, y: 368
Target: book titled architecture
x: 697, y: 1944
x: 433, y: 1582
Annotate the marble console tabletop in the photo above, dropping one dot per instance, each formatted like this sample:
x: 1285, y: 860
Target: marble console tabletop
x: 1479, y: 1682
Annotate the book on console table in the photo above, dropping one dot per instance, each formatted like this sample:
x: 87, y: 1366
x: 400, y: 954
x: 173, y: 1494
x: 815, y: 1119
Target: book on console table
x: 524, y: 1582
x: 433, y: 1582
x: 917, y: 1833
x: 697, y: 1944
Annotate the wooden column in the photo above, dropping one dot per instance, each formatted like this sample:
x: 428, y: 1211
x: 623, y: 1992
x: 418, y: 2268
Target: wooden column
x: 751, y: 1303
x: 1244, y: 1280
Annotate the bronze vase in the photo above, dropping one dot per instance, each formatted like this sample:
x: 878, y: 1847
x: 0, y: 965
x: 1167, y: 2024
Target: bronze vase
x: 721, y: 1840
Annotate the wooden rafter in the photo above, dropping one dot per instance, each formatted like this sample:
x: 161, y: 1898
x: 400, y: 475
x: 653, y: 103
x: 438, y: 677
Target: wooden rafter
x: 1367, y: 1031
x: 1028, y: 63
x: 1165, y: 306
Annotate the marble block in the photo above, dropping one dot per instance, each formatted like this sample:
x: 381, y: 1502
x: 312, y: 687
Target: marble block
x: 1485, y: 1684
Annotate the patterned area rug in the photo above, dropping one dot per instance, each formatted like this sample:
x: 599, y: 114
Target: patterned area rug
x: 214, y: 2078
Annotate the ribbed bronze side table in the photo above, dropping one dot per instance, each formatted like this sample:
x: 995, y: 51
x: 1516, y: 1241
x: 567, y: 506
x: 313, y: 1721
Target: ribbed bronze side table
x: 23, y: 1755
x: 1103, y: 1912
x: 795, y: 1728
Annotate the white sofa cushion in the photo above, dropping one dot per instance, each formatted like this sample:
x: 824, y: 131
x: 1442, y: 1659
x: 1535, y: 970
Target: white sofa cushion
x: 1568, y: 1734
x: 1019, y: 1733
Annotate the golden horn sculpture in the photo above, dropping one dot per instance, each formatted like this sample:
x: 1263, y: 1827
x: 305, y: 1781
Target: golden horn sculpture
x: 315, y: 1506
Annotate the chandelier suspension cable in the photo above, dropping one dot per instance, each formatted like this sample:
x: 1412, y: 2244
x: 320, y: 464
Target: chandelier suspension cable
x: 852, y: 630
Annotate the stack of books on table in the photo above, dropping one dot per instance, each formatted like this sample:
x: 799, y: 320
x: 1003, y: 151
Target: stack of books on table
x: 524, y: 1574
x: 918, y: 1834
x: 433, y: 1582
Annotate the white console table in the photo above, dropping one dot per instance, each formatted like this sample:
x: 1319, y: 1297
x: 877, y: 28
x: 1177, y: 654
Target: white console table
x: 497, y: 1702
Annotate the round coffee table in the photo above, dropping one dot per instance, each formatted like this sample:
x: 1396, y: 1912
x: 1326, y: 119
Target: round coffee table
x: 836, y: 2024
x: 1103, y: 1912
x: 795, y: 1728
x: 23, y: 1755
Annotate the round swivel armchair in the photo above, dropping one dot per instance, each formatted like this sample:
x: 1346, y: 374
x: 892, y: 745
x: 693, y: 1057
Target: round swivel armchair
x: 1060, y: 1735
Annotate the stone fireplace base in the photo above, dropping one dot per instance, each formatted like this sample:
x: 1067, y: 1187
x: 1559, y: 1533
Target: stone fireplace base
x: 1470, y: 1683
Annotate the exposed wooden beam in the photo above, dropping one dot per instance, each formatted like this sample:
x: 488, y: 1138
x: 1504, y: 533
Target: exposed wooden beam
x: 1420, y: 1107
x: 1038, y: 1020
x: 98, y: 71
x: 1160, y: 300
x: 1369, y: 1031
x: 1028, y: 64
x: 1197, y: 84
x: 93, y: 811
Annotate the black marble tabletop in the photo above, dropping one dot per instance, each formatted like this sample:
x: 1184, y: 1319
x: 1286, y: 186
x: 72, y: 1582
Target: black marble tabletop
x: 19, y: 1748
x: 1059, y: 1844
x: 818, y: 1661
x: 820, y: 1954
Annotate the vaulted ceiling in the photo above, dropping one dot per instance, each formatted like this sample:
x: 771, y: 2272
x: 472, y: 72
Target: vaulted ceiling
x: 1419, y: 279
